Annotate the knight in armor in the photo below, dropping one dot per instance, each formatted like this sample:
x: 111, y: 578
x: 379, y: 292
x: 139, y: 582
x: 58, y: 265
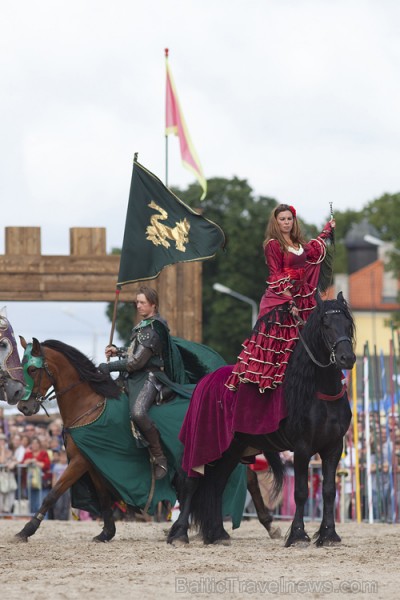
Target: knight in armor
x: 143, y: 364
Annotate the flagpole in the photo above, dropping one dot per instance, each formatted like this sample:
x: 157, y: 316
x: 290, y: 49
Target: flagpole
x: 355, y: 441
x: 166, y: 136
x: 117, y: 293
x: 166, y: 161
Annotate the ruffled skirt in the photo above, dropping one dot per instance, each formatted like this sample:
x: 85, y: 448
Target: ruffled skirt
x: 266, y: 353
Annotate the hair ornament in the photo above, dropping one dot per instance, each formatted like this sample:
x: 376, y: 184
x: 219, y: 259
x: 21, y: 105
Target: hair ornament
x: 292, y: 210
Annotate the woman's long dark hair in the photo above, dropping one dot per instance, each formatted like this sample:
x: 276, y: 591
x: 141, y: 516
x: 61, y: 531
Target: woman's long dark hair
x: 273, y: 232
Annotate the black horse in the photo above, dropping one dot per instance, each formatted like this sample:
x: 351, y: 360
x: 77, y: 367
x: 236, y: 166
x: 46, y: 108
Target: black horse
x: 318, y: 418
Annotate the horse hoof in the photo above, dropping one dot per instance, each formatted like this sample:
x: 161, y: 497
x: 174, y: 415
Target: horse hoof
x: 19, y: 537
x: 325, y: 538
x: 328, y: 543
x: 275, y: 533
x: 332, y: 543
x: 101, y: 538
x: 223, y: 542
x: 299, y: 544
x: 180, y: 541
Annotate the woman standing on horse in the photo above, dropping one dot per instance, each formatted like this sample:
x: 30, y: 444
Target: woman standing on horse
x: 294, y: 269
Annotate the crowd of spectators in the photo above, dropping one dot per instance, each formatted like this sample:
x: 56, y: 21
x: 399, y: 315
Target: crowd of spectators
x: 32, y: 458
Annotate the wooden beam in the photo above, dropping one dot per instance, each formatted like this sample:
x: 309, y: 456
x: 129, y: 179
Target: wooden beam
x: 89, y: 274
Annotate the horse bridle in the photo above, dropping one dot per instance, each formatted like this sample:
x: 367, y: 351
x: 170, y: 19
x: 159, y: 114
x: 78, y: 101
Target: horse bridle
x: 332, y: 356
x: 40, y: 362
x: 6, y: 373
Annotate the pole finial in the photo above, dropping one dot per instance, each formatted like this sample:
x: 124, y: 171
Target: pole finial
x: 166, y: 52
x: 135, y: 157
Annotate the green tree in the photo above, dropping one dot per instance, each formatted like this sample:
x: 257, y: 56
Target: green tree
x: 344, y: 221
x: 232, y: 204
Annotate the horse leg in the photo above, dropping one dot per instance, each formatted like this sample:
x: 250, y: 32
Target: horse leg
x: 326, y: 534
x: 76, y: 468
x: 178, y: 532
x: 264, y: 514
x: 297, y: 534
x: 107, y: 513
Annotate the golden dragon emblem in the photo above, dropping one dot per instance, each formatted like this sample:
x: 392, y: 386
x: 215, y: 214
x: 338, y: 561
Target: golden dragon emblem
x: 159, y: 233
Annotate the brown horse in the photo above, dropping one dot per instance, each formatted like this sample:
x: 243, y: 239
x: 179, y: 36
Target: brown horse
x: 50, y: 368
x: 81, y: 390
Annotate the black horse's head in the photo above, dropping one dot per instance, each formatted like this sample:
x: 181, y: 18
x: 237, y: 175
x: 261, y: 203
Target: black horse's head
x: 325, y: 348
x: 336, y: 326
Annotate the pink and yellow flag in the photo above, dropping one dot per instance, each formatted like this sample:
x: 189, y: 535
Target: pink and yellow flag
x: 175, y: 123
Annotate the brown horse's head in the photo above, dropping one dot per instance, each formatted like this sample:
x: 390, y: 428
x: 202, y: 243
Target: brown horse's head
x: 38, y: 378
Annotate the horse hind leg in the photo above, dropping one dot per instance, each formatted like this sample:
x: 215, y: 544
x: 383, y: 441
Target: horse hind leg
x: 207, y: 503
x: 264, y: 514
x: 107, y: 512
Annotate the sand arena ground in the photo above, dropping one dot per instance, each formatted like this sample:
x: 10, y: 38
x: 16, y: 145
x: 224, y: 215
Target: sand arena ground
x: 61, y: 562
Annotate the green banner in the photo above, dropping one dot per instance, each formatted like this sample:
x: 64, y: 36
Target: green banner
x: 161, y: 230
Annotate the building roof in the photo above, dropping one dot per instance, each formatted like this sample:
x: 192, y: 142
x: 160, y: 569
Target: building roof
x: 366, y: 289
x: 356, y: 234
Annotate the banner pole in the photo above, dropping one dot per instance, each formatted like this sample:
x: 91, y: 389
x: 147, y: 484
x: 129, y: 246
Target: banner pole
x: 166, y: 161
x: 166, y: 51
x: 114, y: 319
x: 355, y: 441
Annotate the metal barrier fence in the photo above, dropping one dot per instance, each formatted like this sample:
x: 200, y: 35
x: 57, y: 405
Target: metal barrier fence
x: 21, y: 494
x: 20, y: 490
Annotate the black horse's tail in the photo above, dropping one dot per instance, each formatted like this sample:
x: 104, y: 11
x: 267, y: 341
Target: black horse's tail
x: 205, y: 507
x: 206, y: 504
x: 278, y: 470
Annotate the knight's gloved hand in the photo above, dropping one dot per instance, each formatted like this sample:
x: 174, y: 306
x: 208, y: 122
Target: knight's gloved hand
x: 116, y: 365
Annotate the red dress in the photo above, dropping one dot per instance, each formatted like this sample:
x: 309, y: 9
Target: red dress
x: 267, y: 351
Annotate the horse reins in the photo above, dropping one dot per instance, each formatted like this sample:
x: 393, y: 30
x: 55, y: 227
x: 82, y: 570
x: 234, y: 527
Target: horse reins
x: 332, y: 356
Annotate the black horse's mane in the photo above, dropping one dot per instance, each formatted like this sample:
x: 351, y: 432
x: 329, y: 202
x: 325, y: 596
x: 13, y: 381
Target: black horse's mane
x: 300, y: 380
x: 99, y: 382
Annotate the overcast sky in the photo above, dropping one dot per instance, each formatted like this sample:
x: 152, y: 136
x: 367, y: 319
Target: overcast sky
x: 299, y: 97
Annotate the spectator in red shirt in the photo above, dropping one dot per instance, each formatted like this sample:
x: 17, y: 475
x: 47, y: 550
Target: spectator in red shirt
x: 39, y: 473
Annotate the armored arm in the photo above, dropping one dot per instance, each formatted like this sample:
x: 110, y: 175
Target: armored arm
x: 136, y: 361
x: 147, y: 344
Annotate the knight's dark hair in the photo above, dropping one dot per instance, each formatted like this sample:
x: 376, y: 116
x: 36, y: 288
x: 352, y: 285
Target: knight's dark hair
x: 150, y: 294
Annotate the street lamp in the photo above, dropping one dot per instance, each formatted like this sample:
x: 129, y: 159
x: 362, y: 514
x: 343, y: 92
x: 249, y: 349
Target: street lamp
x: 218, y: 287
